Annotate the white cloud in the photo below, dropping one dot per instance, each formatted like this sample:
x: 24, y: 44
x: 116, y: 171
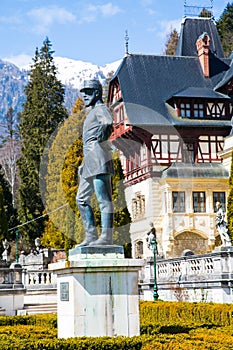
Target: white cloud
x: 92, y: 12
x: 109, y: 9
x: 44, y: 17
x: 164, y: 28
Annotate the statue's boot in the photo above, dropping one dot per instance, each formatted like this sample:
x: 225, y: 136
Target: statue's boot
x: 104, y: 239
x: 88, y: 223
x: 107, y: 230
x: 90, y: 237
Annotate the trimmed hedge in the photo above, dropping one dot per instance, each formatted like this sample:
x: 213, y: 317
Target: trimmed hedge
x: 164, y: 326
x: 186, y: 313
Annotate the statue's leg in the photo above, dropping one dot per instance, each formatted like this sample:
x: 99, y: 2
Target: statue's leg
x: 103, y: 191
x: 84, y: 194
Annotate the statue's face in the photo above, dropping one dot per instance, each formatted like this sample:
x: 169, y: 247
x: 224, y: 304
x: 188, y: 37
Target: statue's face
x: 90, y: 96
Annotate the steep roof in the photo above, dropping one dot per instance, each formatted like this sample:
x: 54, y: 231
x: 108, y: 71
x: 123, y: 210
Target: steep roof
x: 191, y: 29
x: 226, y: 78
x: 147, y: 82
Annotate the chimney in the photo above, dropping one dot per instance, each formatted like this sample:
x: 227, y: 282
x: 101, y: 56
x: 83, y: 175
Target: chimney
x: 203, y: 44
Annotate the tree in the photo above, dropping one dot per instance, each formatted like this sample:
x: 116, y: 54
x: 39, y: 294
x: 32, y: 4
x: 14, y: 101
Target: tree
x: 9, y: 151
x: 10, y: 211
x: 64, y: 157
x: 230, y: 201
x: 122, y: 217
x: 3, y: 218
x: 225, y: 29
x: 172, y: 41
x: 42, y: 112
x: 205, y: 13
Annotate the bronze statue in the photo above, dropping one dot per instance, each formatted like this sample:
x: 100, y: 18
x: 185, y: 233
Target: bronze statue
x: 97, y: 168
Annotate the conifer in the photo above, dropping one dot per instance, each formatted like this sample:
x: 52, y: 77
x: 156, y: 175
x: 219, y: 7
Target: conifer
x: 42, y: 112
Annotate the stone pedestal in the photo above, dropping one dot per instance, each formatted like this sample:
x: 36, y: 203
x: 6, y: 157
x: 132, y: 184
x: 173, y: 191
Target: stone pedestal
x: 97, y: 293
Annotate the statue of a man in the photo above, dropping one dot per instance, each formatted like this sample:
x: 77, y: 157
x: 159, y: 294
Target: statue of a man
x: 222, y: 226
x: 97, y: 168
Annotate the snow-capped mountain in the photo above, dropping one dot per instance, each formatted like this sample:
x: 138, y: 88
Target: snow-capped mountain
x: 71, y: 73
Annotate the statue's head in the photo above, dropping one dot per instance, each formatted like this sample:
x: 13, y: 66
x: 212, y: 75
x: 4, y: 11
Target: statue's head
x: 91, y: 92
x: 218, y: 205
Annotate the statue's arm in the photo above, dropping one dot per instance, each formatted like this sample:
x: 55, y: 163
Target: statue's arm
x: 105, y: 125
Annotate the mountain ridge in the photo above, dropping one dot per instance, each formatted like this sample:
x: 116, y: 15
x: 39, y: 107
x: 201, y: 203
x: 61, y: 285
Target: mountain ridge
x: 70, y: 72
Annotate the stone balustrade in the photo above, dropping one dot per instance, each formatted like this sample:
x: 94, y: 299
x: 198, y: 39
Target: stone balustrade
x: 206, y: 277
x: 40, y: 278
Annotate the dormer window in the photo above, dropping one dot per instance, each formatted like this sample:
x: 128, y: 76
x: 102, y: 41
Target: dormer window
x: 203, y: 109
x: 201, y: 103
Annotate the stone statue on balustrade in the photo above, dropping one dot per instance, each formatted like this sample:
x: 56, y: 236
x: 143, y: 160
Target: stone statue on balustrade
x: 222, y: 226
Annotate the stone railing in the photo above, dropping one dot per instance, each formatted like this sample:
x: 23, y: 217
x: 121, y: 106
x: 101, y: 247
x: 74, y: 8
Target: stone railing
x: 43, y: 278
x: 11, y: 277
x: 211, y: 273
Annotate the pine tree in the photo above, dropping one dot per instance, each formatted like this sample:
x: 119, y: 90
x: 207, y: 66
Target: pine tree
x: 225, y: 29
x: 205, y: 13
x: 171, y: 44
x: 42, y: 112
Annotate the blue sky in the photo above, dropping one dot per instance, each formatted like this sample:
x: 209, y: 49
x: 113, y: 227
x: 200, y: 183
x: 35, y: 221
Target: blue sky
x: 90, y: 30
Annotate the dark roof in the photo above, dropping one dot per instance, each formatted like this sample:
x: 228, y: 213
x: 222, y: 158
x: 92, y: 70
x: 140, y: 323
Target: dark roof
x: 226, y: 78
x: 191, y: 29
x: 197, y: 170
x: 147, y: 82
x: 201, y: 92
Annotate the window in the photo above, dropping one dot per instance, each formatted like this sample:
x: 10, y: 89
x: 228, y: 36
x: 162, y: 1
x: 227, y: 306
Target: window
x: 198, y: 110
x: 178, y: 202
x: 219, y: 197
x: 199, y: 205
x: 138, y: 206
x: 185, y: 110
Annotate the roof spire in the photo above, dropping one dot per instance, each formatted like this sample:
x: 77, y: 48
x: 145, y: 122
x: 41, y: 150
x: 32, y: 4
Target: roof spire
x: 126, y: 43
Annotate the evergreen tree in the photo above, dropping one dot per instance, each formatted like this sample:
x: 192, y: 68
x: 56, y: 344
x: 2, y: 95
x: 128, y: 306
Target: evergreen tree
x: 42, y: 112
x: 171, y: 44
x: 225, y: 29
x: 205, y: 13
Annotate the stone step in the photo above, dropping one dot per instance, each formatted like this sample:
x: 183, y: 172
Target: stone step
x: 32, y: 309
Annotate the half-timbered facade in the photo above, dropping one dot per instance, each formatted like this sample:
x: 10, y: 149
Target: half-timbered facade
x: 171, y: 116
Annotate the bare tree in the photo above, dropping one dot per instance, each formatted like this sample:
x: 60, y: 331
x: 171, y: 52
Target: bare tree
x: 10, y: 150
